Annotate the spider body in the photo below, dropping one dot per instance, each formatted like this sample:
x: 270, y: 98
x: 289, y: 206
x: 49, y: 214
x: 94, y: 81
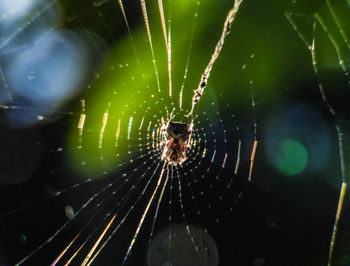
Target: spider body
x: 176, y: 140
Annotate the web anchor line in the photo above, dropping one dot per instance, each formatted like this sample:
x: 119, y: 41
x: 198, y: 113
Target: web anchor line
x: 204, y: 78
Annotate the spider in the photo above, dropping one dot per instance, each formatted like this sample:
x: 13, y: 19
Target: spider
x: 176, y: 140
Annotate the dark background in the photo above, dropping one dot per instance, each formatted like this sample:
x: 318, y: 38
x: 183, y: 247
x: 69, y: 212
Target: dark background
x: 275, y: 218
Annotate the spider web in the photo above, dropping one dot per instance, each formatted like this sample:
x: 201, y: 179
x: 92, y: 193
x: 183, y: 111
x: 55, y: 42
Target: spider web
x: 82, y: 102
